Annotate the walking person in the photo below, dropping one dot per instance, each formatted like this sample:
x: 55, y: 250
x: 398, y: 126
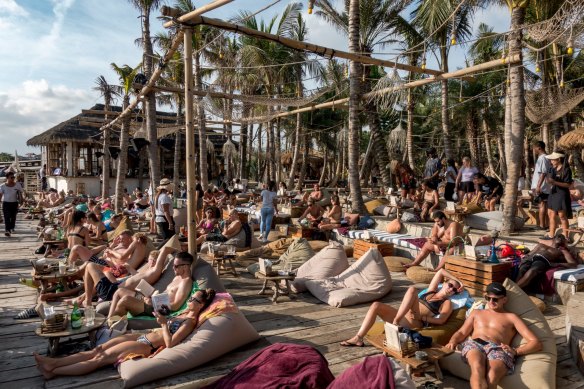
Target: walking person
x: 11, y: 192
x: 163, y: 210
x: 450, y: 175
x: 269, y: 203
x: 464, y: 179
x: 539, y: 185
x: 559, y: 203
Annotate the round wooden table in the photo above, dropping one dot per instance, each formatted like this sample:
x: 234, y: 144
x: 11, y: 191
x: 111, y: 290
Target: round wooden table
x: 55, y: 337
x: 276, y: 279
x: 55, y: 277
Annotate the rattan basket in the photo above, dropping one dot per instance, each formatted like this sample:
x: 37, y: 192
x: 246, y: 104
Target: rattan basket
x: 56, y: 323
x: 408, y: 348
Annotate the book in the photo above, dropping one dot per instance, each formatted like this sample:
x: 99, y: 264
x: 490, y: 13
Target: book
x: 158, y: 300
x: 145, y: 288
x: 392, y: 337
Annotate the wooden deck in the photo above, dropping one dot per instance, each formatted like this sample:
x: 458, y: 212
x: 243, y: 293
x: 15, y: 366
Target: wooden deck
x: 304, y: 320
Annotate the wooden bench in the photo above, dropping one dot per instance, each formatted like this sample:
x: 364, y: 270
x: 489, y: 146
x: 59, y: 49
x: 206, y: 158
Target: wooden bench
x: 360, y: 247
x: 476, y: 275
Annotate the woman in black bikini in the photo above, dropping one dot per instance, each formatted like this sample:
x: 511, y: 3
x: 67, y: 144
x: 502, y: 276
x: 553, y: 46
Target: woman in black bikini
x: 77, y: 233
x: 173, y: 332
x: 98, y: 230
x: 433, y: 307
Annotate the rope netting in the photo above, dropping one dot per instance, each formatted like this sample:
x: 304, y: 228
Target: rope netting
x: 549, y: 104
x: 566, y: 27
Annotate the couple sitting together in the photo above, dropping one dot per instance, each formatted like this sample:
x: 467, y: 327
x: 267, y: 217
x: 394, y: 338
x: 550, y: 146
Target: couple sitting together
x: 485, y: 337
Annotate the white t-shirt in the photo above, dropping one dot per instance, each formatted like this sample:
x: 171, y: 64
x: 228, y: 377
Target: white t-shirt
x: 164, y: 198
x: 268, y: 199
x: 449, y: 178
x: 542, y: 166
x: 10, y: 193
x: 467, y: 173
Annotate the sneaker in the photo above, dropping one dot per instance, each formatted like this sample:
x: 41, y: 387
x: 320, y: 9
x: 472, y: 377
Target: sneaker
x: 546, y: 237
x: 7, y: 233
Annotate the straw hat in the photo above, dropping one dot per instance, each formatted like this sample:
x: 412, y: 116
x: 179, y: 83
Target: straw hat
x: 165, y: 183
x: 554, y: 155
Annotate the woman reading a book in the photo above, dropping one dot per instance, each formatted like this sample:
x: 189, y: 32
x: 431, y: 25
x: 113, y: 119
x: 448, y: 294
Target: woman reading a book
x: 433, y: 307
x: 172, y: 332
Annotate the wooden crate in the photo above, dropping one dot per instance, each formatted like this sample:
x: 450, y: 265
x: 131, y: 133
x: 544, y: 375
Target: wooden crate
x: 302, y: 232
x: 476, y: 275
x: 360, y: 247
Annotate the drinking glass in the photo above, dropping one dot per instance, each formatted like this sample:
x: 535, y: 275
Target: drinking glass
x: 62, y: 268
x: 287, y: 267
x: 89, y: 316
x: 231, y: 250
x: 211, y: 249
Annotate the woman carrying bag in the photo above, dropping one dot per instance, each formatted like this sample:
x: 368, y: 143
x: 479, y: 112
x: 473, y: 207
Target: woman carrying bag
x: 559, y: 203
x: 11, y: 194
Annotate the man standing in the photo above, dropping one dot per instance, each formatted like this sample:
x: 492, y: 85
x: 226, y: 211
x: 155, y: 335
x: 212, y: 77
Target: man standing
x: 443, y: 231
x: 539, y: 185
x: 488, y: 350
x: 433, y: 167
x: 43, y: 177
x: 10, y: 194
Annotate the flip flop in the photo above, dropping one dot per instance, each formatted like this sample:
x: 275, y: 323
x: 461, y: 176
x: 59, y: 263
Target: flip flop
x: 27, y: 314
x: 346, y: 343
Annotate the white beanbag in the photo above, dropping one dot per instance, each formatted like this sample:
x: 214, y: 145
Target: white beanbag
x: 329, y: 262
x: 366, y: 280
x: 489, y: 221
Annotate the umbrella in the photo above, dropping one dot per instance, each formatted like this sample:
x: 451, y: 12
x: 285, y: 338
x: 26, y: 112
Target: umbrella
x: 573, y: 139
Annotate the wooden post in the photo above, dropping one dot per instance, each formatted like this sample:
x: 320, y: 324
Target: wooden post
x: 190, y: 143
x: 206, y: 8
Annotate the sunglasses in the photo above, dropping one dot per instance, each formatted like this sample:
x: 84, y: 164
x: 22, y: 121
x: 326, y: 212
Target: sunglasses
x: 194, y: 298
x: 493, y: 299
x: 179, y: 265
x: 453, y: 287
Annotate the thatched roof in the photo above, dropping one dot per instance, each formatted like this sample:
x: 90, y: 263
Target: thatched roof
x: 315, y: 160
x: 573, y: 139
x: 67, y: 131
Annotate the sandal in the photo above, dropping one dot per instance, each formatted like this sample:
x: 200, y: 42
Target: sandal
x: 346, y: 343
x: 27, y: 314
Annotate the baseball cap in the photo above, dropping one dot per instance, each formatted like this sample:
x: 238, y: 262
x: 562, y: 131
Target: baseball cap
x: 497, y: 289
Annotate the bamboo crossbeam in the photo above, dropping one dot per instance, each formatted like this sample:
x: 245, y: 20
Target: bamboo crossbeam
x: 445, y: 76
x: 189, y: 16
x: 310, y: 47
x: 170, y: 118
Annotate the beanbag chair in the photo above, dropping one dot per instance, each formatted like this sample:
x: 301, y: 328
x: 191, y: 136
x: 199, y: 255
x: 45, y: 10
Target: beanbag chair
x: 489, y: 221
x: 214, y: 338
x: 394, y: 226
x: 270, y: 250
x: 318, y: 245
x: 540, y: 304
x: 420, y: 275
x: 373, y: 204
x: 536, y: 370
x: 441, y: 334
x: 329, y: 262
x: 297, y: 253
x: 124, y: 225
x: 280, y: 365
x: 366, y: 280
x: 374, y: 372
x: 396, y: 264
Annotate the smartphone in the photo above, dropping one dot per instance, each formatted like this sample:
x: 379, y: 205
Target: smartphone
x: 481, y: 341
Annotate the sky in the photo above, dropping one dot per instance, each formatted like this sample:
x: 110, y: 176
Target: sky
x: 53, y: 51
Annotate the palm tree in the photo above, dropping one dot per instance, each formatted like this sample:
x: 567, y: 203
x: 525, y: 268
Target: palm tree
x: 432, y: 18
x: 126, y: 75
x: 109, y: 93
x: 146, y: 7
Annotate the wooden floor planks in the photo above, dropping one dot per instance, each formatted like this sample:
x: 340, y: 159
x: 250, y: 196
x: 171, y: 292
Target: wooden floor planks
x: 302, y: 321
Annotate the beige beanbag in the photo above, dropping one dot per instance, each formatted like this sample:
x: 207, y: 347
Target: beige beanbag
x: 329, y: 262
x: 396, y: 264
x: 297, y: 253
x: 371, y: 205
x: 540, y: 304
x: 214, y: 338
x: 270, y: 250
x: 420, y: 275
x: 536, y: 370
x: 124, y: 225
x: 318, y: 245
x: 366, y: 280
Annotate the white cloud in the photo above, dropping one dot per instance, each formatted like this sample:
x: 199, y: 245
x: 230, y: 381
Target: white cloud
x: 47, y: 43
x: 10, y: 14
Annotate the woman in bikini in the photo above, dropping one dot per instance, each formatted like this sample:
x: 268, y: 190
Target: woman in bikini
x: 332, y: 216
x: 432, y: 308
x: 207, y: 225
x: 77, y: 233
x: 431, y: 201
x: 97, y: 228
x: 173, y: 332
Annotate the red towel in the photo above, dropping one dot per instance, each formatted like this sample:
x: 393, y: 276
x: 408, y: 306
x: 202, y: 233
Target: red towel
x: 280, y: 365
x: 546, y: 282
x: 373, y: 373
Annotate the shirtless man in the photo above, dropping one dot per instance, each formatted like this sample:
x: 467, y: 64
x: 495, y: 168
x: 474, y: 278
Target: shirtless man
x: 442, y: 233
x: 313, y: 213
x: 121, y: 242
x: 488, y: 351
x: 542, y: 258
x: 178, y: 290
x: 315, y: 195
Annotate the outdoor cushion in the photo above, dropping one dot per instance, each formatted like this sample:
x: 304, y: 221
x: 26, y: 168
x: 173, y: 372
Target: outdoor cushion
x: 271, y: 250
x: 396, y: 264
x: 536, y: 370
x: 441, y: 334
x: 352, y: 218
x: 215, y: 337
x: 297, y: 253
x: 280, y: 365
x: 329, y: 262
x: 318, y: 245
x: 401, y: 240
x: 124, y: 225
x: 374, y: 372
x: 394, y: 226
x: 489, y: 221
x: 540, y: 304
x: 420, y: 274
x: 366, y: 280
x: 373, y: 204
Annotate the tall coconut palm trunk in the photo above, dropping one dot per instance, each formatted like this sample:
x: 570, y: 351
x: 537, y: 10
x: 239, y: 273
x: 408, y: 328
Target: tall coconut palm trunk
x: 355, y: 96
x: 201, y: 122
x: 177, y: 151
x: 243, y: 146
x: 410, y: 127
x: 297, y: 142
x: 380, y: 151
x: 514, y: 138
x: 487, y: 140
x: 106, y: 162
x: 304, y: 166
x: 122, y: 159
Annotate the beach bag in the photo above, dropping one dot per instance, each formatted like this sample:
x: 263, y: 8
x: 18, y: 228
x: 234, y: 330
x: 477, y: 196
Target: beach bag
x: 420, y: 340
x: 409, y: 217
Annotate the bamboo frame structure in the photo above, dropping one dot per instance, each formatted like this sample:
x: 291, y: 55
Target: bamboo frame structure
x: 189, y: 16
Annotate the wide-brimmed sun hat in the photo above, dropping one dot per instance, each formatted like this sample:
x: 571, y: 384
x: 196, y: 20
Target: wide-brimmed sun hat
x: 555, y: 155
x: 165, y: 183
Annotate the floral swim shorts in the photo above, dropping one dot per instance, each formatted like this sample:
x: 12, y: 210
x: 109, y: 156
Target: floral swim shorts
x: 492, y: 350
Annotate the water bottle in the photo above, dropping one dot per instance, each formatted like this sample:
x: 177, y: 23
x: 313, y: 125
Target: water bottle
x: 76, y: 322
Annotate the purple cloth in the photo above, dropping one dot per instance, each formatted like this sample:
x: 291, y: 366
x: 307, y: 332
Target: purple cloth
x: 418, y: 242
x: 373, y: 373
x: 280, y: 365
x: 546, y: 282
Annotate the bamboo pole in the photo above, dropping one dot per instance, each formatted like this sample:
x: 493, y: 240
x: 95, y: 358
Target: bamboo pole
x: 310, y: 47
x: 190, y: 144
x: 189, y: 16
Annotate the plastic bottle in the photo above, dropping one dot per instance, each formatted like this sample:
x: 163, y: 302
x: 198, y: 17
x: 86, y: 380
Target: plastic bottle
x: 76, y: 321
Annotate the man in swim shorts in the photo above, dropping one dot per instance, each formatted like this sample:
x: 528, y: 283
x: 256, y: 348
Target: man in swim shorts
x: 488, y: 350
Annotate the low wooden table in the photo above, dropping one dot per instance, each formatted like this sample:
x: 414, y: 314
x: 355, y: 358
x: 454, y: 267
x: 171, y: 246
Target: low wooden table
x: 412, y: 364
x: 360, y: 247
x: 55, y: 277
x: 476, y: 275
x: 219, y: 263
x: 276, y: 279
x: 55, y: 337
